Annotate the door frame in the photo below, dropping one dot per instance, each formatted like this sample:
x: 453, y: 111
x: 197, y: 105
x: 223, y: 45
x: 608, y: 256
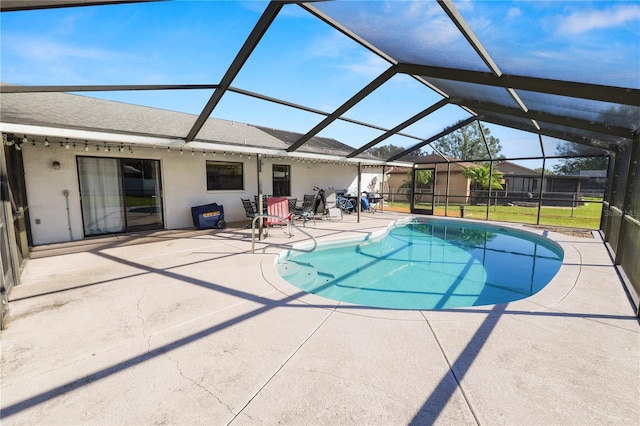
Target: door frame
x: 124, y: 206
x: 159, y: 195
x: 416, y: 192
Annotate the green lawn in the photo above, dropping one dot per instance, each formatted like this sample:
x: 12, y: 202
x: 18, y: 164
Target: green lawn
x: 586, y: 216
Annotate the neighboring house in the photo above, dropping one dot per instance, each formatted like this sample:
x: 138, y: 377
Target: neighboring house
x: 518, y: 178
x: 523, y: 179
x: 448, y: 175
x: 522, y: 183
x: 596, y: 181
x: 82, y: 166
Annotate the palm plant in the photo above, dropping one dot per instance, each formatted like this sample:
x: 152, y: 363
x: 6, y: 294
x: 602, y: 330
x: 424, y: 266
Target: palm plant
x: 480, y: 176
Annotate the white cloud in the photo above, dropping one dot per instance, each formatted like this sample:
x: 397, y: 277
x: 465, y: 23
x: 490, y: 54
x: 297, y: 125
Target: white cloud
x: 513, y: 12
x: 37, y: 49
x: 333, y: 46
x: 347, y: 55
x: 583, y: 21
x: 420, y: 9
x: 369, y: 66
x: 481, y: 25
x: 464, y: 5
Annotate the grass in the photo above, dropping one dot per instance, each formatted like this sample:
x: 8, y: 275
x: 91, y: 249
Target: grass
x: 586, y: 216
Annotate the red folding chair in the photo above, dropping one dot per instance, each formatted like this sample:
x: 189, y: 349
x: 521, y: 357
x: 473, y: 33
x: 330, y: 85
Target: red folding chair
x: 279, y: 206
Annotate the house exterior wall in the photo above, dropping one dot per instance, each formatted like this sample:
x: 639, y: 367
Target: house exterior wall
x: 183, y: 180
x: 458, y: 184
x: 395, y: 180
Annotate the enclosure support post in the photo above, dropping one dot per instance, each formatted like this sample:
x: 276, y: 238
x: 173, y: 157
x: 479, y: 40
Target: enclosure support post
x: 433, y: 189
x: 359, y: 197
x: 489, y: 190
x: 412, y: 189
x: 604, y: 223
x: 544, y: 157
x: 630, y: 189
x: 484, y: 139
x: 446, y: 195
x: 382, y: 189
x: 259, y: 174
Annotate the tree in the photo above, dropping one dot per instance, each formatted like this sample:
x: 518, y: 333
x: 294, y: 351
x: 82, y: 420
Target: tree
x: 480, y: 175
x: 569, y: 165
x: 423, y: 178
x: 387, y: 151
x: 622, y: 114
x: 466, y: 143
x: 546, y: 171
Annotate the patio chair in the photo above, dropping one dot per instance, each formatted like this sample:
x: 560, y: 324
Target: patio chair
x: 374, y: 201
x: 331, y: 207
x: 279, y: 206
x: 292, y: 205
x: 307, y: 210
x: 249, y: 209
x: 264, y: 202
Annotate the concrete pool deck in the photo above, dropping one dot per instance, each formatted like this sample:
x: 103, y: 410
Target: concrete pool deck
x: 189, y: 327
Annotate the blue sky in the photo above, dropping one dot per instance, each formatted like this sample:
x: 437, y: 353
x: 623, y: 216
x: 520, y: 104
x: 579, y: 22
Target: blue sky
x: 305, y: 61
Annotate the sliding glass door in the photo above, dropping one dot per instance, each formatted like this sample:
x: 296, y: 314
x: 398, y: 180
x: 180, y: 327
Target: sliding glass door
x: 142, y: 194
x: 119, y: 195
x: 101, y: 195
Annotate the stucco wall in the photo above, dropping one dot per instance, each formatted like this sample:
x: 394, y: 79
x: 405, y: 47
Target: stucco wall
x: 183, y: 183
x: 458, y: 184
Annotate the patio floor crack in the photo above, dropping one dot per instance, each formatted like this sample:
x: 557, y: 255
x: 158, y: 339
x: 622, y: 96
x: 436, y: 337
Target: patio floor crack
x: 217, y: 398
x: 286, y: 361
x: 451, y: 369
x: 142, y: 319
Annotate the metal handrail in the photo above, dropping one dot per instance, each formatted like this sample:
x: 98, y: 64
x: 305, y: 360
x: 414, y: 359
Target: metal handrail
x: 284, y: 220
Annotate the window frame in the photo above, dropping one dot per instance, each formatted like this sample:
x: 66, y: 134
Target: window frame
x: 287, y: 180
x: 234, y: 182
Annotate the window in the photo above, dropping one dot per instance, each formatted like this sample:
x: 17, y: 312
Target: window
x: 224, y: 175
x: 281, y: 181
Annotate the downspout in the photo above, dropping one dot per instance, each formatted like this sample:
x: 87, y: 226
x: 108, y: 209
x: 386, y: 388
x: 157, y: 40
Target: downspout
x: 66, y: 197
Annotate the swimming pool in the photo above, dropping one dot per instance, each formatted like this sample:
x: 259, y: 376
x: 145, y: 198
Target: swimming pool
x: 428, y: 264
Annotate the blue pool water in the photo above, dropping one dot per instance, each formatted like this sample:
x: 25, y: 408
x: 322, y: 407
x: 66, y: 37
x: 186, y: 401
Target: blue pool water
x: 428, y: 264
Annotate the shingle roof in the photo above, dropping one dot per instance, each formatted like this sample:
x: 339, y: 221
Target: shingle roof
x: 456, y: 165
x: 70, y: 111
x: 509, y: 168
